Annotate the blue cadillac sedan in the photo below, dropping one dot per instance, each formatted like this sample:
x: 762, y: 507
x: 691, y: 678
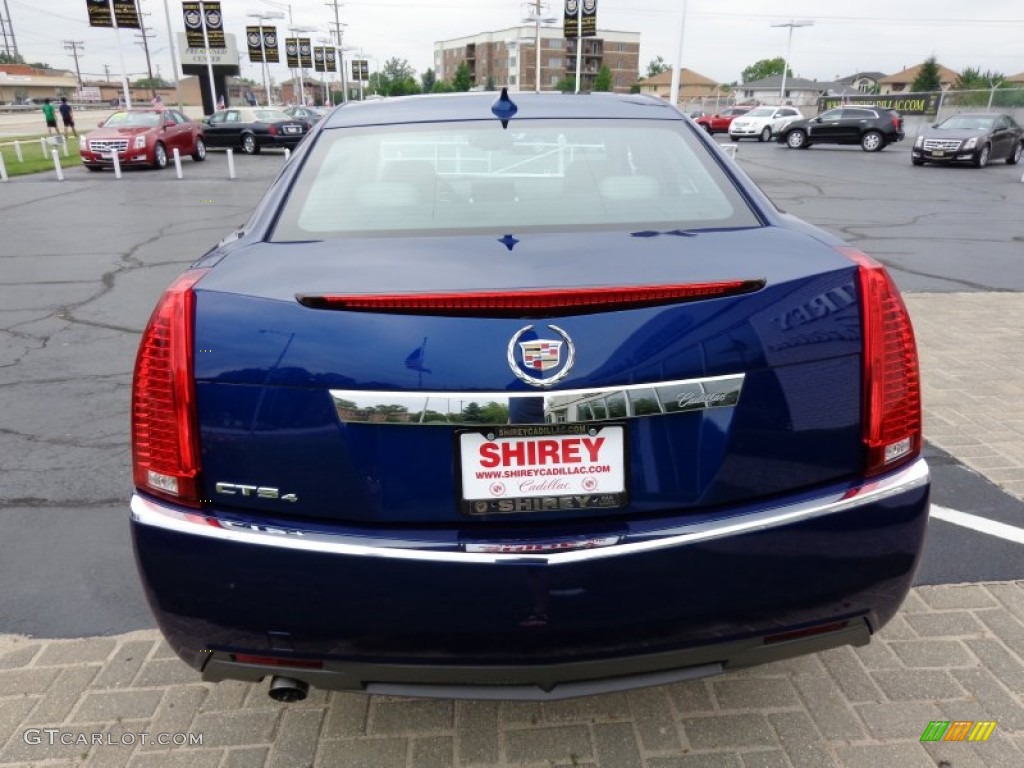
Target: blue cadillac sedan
x: 526, y: 398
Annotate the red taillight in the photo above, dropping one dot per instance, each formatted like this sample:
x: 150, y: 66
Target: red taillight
x: 550, y: 303
x: 891, y: 376
x: 272, y: 129
x: 165, y: 449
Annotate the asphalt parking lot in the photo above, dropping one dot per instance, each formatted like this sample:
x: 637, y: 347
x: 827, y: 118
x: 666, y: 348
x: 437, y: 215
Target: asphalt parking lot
x: 84, y: 260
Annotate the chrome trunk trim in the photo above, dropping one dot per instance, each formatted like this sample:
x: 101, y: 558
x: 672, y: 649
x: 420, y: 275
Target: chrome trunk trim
x: 147, y: 511
x: 563, y: 406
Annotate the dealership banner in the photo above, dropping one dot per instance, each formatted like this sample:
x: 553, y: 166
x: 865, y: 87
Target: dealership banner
x: 360, y: 69
x: 331, y: 59
x: 904, y: 103
x: 196, y: 16
x: 262, y: 42
x: 305, y: 52
x: 291, y: 52
x: 125, y: 13
x: 319, y: 55
x: 573, y: 22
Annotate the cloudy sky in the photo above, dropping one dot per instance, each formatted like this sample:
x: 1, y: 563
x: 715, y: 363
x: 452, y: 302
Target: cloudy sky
x: 720, y: 38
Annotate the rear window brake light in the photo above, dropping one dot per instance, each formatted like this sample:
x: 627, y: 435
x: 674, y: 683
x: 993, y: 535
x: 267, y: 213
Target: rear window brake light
x: 519, y: 303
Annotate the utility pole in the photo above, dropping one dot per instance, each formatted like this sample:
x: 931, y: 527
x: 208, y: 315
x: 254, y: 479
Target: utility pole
x: 7, y: 27
x: 75, y: 46
x: 142, y: 38
x: 341, y: 51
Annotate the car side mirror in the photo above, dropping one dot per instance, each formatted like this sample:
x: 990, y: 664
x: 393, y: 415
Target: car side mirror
x: 817, y: 119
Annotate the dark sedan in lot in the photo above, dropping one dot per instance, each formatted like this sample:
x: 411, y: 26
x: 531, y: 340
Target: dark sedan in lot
x: 309, y: 114
x: 970, y: 137
x: 448, y: 418
x: 253, y: 128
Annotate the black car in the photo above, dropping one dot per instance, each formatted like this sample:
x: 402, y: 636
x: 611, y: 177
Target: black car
x: 310, y: 114
x: 973, y: 137
x: 252, y: 128
x: 871, y: 127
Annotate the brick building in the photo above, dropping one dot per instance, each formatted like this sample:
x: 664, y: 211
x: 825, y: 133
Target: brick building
x: 508, y: 57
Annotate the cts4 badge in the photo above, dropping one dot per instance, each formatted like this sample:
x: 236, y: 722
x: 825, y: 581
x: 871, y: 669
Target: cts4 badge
x: 541, y: 361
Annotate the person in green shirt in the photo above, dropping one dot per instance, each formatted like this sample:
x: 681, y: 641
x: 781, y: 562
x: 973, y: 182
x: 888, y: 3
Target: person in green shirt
x: 51, y: 117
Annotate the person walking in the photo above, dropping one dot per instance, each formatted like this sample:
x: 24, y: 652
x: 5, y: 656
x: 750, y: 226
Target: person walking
x: 50, y: 117
x: 67, y: 116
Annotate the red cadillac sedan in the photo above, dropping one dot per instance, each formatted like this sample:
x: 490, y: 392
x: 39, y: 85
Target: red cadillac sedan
x: 142, y: 137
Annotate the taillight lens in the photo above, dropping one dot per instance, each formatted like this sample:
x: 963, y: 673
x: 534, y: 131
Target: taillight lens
x: 272, y: 129
x: 891, y: 375
x: 165, y: 447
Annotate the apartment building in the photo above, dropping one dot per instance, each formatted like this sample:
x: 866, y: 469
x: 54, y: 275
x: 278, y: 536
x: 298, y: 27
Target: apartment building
x: 509, y: 56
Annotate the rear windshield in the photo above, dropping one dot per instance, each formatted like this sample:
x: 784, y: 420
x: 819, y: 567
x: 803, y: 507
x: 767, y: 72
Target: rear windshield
x: 475, y: 176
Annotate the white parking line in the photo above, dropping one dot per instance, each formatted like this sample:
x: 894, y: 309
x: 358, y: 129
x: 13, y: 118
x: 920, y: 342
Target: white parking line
x: 981, y: 524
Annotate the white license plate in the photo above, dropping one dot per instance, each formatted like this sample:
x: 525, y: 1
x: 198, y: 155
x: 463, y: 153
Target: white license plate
x: 292, y: 129
x: 938, y: 153
x: 538, y: 468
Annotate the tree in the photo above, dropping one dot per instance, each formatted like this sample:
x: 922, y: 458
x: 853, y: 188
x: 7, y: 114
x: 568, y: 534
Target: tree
x: 567, y: 84
x: 427, y: 80
x: 603, y: 81
x: 928, y: 77
x: 395, y: 78
x: 440, y: 86
x: 10, y: 58
x: 656, y: 66
x: 759, y: 70
x: 155, y: 82
x: 973, y: 79
x: 490, y: 83
x: 462, y: 81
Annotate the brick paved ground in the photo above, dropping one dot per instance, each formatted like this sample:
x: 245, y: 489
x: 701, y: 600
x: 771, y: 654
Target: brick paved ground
x: 953, y: 653
x: 972, y: 362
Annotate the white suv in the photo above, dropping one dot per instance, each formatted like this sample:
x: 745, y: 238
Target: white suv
x: 762, y: 123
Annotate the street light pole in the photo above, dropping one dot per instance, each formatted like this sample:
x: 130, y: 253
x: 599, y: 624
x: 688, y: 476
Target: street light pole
x: 677, y: 70
x: 789, y: 43
x: 174, y: 56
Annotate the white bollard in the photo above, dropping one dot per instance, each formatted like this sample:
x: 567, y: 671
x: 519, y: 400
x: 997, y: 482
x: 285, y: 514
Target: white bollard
x: 17, y: 152
x: 3, y: 168
x: 56, y: 164
x: 730, y: 150
x: 117, y: 164
x: 231, y: 164
x: 42, y: 144
x: 287, y: 155
x: 177, y: 162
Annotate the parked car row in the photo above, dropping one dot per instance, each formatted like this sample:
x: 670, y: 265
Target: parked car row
x: 148, y: 136
x: 977, y: 138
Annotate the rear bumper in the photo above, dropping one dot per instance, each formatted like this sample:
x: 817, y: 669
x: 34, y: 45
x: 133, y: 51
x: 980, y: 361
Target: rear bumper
x: 417, y: 613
